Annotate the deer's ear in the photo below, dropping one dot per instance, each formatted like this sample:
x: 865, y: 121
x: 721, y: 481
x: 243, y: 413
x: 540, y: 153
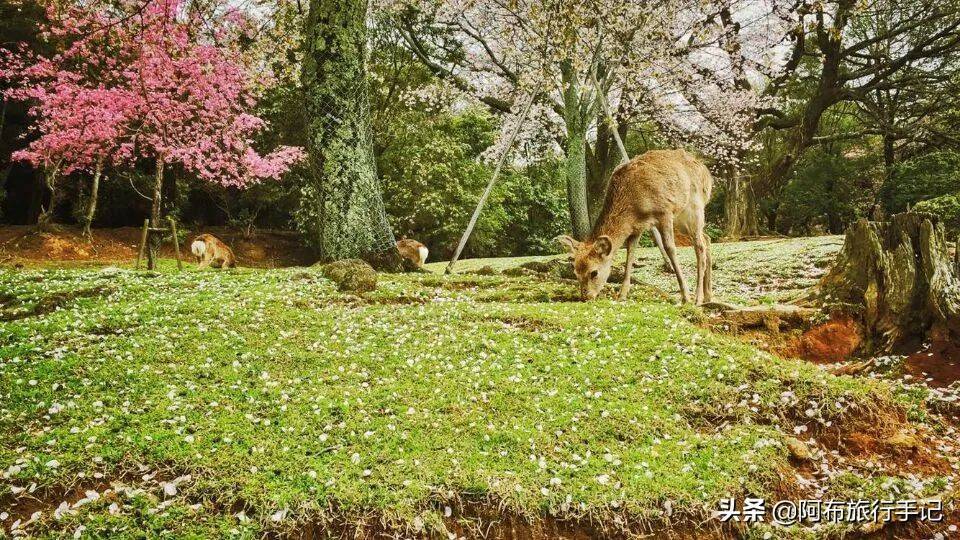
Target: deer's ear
x: 603, y: 246
x: 568, y: 242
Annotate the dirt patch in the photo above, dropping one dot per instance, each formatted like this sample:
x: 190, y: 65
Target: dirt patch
x: 938, y: 365
x: 263, y: 249
x: 490, y: 520
x: 52, y: 302
x: 828, y: 343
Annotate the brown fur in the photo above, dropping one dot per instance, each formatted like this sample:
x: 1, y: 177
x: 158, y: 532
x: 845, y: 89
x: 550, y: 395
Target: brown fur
x: 217, y: 254
x: 411, y: 250
x: 663, y: 189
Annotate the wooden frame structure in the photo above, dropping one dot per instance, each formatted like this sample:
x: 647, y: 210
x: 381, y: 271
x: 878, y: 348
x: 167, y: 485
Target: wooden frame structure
x: 145, y: 235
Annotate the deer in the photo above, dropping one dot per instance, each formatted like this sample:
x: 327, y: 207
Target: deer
x: 211, y: 251
x: 660, y: 189
x: 413, y: 251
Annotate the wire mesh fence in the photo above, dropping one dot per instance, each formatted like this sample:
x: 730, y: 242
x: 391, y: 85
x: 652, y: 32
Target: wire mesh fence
x: 342, y: 204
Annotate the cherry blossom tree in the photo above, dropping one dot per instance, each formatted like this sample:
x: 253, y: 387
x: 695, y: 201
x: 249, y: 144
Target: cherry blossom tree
x: 145, y: 81
x: 78, y: 107
x: 682, y: 65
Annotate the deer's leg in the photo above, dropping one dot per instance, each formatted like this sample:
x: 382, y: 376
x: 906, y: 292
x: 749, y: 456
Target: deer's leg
x: 708, y: 275
x: 663, y: 253
x: 665, y: 224
x: 699, y: 246
x: 628, y: 269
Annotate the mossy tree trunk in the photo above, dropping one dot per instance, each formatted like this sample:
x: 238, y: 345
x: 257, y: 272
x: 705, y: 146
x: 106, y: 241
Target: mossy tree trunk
x: 739, y: 207
x: 341, y: 210
x: 898, y: 278
x: 575, y: 162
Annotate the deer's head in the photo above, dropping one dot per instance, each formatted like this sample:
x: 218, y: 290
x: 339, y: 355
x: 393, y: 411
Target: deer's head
x: 591, y: 263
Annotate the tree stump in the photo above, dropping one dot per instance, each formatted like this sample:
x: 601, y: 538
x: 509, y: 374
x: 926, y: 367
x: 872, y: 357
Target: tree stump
x: 897, y: 277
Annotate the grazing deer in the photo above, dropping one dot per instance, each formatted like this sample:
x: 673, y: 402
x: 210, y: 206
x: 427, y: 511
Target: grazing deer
x: 211, y: 251
x: 413, y: 251
x: 661, y: 188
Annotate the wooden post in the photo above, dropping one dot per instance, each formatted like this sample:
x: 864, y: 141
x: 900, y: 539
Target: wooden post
x: 176, y: 241
x: 143, y: 242
x: 486, y: 192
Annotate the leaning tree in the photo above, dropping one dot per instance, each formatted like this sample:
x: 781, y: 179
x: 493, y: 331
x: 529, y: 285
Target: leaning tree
x: 873, y: 53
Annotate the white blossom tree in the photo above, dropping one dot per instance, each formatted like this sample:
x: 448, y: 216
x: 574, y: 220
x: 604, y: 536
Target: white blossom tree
x: 695, y: 69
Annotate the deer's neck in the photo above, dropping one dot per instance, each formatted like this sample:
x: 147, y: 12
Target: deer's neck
x: 613, y: 226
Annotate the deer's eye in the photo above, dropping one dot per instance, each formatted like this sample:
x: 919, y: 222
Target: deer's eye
x: 594, y: 274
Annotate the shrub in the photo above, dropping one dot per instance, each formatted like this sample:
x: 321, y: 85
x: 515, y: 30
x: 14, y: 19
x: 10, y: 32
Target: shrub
x: 827, y: 191
x: 433, y: 177
x: 923, y: 177
x: 948, y: 208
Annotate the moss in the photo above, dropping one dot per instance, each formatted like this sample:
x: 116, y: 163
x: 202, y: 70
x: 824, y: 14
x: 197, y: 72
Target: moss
x: 351, y: 275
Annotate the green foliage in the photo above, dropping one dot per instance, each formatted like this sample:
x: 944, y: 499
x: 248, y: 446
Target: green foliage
x: 948, y: 208
x: 536, y: 209
x: 433, y: 176
x: 827, y: 192
x: 923, y: 177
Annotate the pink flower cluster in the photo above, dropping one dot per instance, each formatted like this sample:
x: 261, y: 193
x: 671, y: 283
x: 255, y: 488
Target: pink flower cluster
x: 140, y: 81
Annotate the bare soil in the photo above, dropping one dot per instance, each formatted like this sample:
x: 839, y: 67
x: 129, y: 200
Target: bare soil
x: 25, y: 245
x: 938, y: 365
x: 828, y: 343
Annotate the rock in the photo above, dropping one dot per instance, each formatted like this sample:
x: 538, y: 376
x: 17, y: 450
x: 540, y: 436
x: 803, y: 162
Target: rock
x: 798, y: 449
x: 518, y: 271
x: 486, y: 270
x: 903, y: 441
x: 556, y: 268
x: 351, y: 275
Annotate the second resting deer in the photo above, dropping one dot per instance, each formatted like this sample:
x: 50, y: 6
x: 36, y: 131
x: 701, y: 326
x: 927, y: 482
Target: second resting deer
x: 661, y: 188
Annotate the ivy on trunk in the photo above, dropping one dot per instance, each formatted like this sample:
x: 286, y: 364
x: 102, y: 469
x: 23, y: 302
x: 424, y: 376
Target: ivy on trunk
x: 341, y: 212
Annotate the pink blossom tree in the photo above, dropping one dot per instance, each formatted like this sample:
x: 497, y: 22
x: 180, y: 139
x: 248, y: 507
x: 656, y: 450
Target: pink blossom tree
x: 79, y: 108
x: 145, y: 81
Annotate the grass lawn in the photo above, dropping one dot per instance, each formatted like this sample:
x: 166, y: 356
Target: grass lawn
x: 774, y: 270
x: 233, y: 403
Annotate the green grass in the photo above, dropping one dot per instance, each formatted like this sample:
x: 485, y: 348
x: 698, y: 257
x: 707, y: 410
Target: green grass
x: 273, y: 396
x: 744, y: 272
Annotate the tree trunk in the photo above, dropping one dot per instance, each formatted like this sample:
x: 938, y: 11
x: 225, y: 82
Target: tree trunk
x: 739, y: 207
x: 601, y: 162
x: 341, y: 211
x: 897, y: 277
x: 154, y: 240
x: 575, y: 162
x: 575, y: 168
x: 45, y: 219
x: 92, y: 203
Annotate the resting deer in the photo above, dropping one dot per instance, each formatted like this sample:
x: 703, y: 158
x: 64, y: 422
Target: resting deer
x: 661, y: 188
